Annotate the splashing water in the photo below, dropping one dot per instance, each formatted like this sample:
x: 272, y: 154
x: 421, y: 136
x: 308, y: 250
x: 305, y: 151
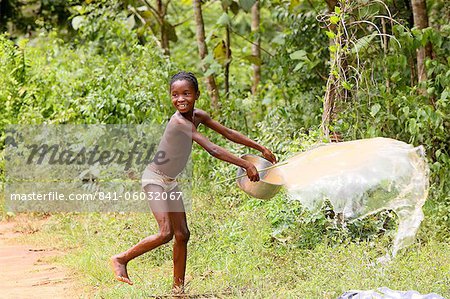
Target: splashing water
x: 363, y: 177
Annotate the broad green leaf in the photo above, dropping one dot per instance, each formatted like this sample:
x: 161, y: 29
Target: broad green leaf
x: 170, y: 30
x: 426, y: 34
x: 333, y: 48
x: 346, y: 85
x: 445, y: 94
x: 279, y: 39
x: 374, y: 109
x: 334, y: 19
x: 146, y: 14
x: 313, y: 63
x: 246, y: 4
x: 130, y: 22
x: 220, y: 52
x: 395, y: 77
x: 226, y: 3
x: 80, y: 9
x: 335, y: 73
x: 366, y: 11
x: 330, y: 34
x: 224, y: 20
x: 362, y: 43
x: 77, y: 21
x: 337, y: 10
x: 234, y: 7
x: 298, y: 55
x: 299, y: 66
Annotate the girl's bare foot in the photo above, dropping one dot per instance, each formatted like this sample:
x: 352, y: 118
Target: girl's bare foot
x: 178, y: 292
x: 120, y: 270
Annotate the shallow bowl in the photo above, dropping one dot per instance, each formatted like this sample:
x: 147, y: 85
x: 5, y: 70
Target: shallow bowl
x: 270, y: 181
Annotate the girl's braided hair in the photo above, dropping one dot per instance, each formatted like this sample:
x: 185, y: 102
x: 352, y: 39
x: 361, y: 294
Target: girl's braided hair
x: 188, y: 76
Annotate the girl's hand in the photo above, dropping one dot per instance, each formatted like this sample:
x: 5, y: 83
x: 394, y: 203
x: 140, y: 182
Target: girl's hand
x: 252, y: 173
x: 268, y: 155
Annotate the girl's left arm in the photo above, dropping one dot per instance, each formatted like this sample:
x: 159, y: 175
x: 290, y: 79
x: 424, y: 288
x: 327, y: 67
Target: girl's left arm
x: 234, y: 136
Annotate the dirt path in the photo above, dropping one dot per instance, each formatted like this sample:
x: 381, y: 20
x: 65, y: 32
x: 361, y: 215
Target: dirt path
x: 26, y: 272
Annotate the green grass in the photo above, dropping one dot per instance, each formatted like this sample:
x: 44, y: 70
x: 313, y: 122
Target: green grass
x: 232, y: 254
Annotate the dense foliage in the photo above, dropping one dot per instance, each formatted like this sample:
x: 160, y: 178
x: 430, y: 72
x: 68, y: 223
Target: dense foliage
x: 101, y: 65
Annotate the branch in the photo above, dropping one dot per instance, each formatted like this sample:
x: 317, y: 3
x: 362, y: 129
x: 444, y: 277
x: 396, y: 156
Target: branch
x: 251, y: 42
x: 379, y: 32
x: 167, y: 5
x: 154, y: 11
x: 133, y: 10
x: 192, y: 15
x: 184, y: 21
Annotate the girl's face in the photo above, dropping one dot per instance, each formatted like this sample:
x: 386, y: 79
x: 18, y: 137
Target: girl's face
x: 183, y: 95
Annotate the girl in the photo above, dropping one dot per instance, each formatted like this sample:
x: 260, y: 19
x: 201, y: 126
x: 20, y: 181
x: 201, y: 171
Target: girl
x: 159, y: 177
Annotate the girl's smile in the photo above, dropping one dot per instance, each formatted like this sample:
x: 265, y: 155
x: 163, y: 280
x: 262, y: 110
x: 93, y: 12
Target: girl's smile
x: 183, y: 96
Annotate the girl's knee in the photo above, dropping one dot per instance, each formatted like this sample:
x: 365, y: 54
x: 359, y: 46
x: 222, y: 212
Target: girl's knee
x: 165, y: 235
x: 182, y: 236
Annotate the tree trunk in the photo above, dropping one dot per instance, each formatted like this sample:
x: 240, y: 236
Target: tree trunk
x: 385, y: 51
x: 228, y: 61
x: 412, y: 67
x: 330, y: 94
x: 160, y: 15
x: 227, y: 56
x: 203, y: 51
x: 256, y: 51
x: 410, y: 14
x: 331, y: 4
x: 161, y: 8
x: 419, y: 8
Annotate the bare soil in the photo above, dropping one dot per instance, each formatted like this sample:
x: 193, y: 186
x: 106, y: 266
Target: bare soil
x: 27, y: 270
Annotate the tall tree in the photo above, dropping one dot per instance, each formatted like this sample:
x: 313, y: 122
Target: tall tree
x: 203, y: 51
x: 256, y: 50
x: 160, y: 12
x: 419, y: 8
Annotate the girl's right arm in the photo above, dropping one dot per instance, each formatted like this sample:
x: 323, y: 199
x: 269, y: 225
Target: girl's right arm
x: 224, y: 155
x: 234, y: 135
